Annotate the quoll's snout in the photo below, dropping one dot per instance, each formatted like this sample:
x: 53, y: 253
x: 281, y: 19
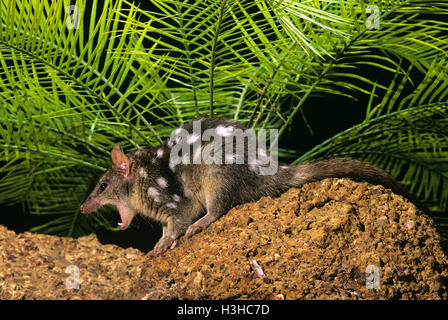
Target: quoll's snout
x: 89, y: 206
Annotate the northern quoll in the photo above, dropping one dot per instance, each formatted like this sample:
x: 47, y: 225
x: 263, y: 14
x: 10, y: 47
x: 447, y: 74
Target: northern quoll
x: 187, y: 197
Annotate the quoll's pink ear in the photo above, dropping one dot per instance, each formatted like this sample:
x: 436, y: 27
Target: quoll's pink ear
x: 120, y: 160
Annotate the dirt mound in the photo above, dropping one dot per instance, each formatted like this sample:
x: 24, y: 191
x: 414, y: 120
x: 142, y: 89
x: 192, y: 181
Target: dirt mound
x: 333, y: 239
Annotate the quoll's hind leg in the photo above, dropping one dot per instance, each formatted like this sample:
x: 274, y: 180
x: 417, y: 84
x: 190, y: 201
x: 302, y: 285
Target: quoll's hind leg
x: 216, y: 207
x: 216, y: 200
x: 202, y: 223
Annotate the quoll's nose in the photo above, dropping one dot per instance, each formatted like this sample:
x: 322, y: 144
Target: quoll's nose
x: 90, y: 205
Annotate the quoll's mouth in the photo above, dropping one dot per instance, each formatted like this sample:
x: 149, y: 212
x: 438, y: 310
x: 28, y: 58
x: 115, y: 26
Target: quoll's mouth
x: 125, y: 214
x: 124, y: 222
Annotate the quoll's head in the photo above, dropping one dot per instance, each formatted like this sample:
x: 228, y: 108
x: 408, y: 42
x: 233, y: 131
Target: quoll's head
x: 113, y: 188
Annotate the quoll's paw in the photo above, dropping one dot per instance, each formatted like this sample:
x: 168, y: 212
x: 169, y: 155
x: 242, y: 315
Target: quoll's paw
x: 162, y: 246
x: 193, y: 229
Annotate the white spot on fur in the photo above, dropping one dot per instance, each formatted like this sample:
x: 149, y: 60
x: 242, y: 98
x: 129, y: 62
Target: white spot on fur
x: 176, y: 198
x: 171, y: 205
x: 284, y: 167
x: 162, y: 182
x: 159, y: 153
x: 143, y: 173
x: 188, y: 192
x: 172, y: 166
x: 153, y: 192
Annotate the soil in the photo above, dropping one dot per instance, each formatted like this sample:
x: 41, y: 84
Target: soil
x: 332, y: 239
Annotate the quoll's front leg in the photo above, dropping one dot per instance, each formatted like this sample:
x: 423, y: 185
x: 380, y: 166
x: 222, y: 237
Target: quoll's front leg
x: 171, y: 231
x: 178, y: 222
x: 163, y: 245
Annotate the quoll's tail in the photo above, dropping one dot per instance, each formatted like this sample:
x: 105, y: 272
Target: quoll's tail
x: 349, y: 168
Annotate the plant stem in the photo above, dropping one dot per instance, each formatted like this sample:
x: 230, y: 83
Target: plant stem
x: 212, y: 62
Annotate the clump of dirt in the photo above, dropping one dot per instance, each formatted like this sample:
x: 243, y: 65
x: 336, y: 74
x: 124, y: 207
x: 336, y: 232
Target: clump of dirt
x: 332, y: 239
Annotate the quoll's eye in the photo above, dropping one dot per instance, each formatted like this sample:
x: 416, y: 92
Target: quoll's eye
x: 103, y: 186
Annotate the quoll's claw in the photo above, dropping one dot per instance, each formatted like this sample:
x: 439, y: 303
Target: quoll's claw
x: 192, y: 230
x: 174, y: 245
